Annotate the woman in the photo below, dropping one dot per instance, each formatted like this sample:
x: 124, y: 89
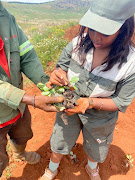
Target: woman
x: 104, y: 60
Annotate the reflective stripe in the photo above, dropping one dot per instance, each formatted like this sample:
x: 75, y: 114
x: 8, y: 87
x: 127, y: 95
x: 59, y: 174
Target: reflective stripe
x: 24, y: 44
x: 25, y: 47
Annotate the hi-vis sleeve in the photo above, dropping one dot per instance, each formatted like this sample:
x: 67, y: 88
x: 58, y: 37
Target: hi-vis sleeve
x: 25, y: 47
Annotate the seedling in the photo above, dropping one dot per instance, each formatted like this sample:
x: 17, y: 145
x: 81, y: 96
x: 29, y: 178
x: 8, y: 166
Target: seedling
x: 73, y: 156
x: 129, y: 161
x: 65, y: 91
x: 57, y: 89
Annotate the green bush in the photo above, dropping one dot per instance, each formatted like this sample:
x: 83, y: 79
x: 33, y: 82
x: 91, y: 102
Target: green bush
x: 50, y: 43
x: 49, y: 49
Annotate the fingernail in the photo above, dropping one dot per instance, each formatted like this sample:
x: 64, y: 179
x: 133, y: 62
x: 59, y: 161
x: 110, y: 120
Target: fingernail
x: 61, y: 84
x: 61, y: 77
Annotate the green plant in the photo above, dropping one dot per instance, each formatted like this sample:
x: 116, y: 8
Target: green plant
x: 57, y: 89
x: 68, y: 94
x: 49, y: 42
x: 73, y: 156
x: 129, y: 161
x: 50, y: 49
x: 61, y: 91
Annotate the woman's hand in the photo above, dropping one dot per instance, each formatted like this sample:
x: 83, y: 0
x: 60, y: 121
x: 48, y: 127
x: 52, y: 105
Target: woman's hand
x: 58, y: 77
x: 83, y: 105
x: 42, y: 102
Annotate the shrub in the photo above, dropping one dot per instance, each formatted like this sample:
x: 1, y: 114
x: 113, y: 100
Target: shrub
x: 50, y: 43
x: 49, y: 49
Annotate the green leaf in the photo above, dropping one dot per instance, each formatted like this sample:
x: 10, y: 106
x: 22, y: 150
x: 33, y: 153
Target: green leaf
x: 66, y: 87
x: 74, y: 79
x: 62, y: 108
x: 56, y: 105
x: 57, y: 87
x: 47, y: 93
x: 40, y: 85
x: 127, y: 156
x: 71, y: 153
x: 75, y: 87
x: 45, y: 88
x: 61, y: 90
x: 52, y: 91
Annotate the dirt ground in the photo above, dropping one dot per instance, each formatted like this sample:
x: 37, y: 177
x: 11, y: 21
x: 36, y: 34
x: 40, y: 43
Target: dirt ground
x: 113, y: 168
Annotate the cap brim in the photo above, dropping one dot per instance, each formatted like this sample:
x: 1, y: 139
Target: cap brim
x: 100, y: 23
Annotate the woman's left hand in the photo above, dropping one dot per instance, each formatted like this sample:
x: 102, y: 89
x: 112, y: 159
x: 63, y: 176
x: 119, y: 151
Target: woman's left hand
x: 83, y: 105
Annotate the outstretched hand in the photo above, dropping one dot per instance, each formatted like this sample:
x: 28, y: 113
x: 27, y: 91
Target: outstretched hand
x: 45, y: 103
x: 58, y: 77
x: 83, y: 105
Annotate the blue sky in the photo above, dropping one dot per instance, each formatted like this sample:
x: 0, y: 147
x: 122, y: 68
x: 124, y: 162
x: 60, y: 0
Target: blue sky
x: 28, y: 1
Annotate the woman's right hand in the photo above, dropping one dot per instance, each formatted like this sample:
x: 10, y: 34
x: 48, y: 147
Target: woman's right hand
x: 58, y: 77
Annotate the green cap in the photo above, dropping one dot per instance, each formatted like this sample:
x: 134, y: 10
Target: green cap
x: 107, y: 16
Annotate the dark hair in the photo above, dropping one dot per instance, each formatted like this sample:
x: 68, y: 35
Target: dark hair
x: 120, y: 47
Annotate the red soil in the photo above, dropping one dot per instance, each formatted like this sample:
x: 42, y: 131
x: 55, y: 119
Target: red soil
x: 112, y: 169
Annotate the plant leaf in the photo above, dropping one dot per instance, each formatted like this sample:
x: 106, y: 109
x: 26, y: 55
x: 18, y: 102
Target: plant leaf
x: 52, y: 91
x: 74, y: 79
x: 62, y: 108
x: 75, y: 87
x: 45, y: 88
x: 61, y: 90
x: 66, y: 87
x: 71, y: 153
x: 47, y: 93
x: 40, y: 85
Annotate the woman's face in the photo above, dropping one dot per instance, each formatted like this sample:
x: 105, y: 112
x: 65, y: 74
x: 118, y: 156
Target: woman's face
x: 102, y: 41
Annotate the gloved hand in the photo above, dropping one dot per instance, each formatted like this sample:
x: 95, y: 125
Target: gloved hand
x: 83, y: 105
x: 58, y: 77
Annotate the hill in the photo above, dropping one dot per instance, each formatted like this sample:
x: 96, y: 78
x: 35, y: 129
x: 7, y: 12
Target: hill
x: 56, y: 10
x: 72, y: 4
x: 58, y: 3
x: 36, y: 17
